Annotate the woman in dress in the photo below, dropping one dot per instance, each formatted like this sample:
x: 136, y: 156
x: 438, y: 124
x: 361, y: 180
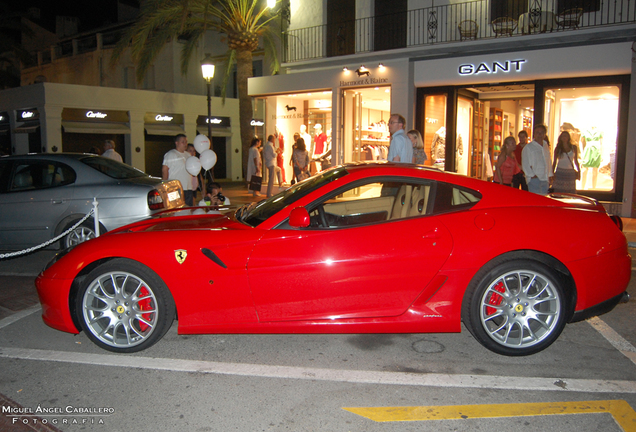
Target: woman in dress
x: 419, y: 155
x: 507, y: 166
x: 300, y: 159
x: 566, y: 157
x: 254, y: 163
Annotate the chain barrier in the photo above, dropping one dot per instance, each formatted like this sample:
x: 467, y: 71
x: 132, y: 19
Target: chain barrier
x: 53, y: 240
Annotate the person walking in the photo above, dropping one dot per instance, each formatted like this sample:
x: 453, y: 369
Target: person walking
x: 254, y: 164
x: 174, y: 167
x: 109, y: 151
x: 270, y: 157
x: 536, y: 164
x: 566, y: 157
x: 401, y: 148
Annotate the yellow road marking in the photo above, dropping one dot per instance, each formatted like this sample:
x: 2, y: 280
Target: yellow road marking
x: 620, y: 410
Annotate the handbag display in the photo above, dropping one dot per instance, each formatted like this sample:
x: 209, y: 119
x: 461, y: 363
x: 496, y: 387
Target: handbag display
x: 255, y: 183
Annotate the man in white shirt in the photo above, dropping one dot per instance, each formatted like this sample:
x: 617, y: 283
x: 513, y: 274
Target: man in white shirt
x: 269, y: 154
x: 109, y: 151
x: 401, y: 148
x: 174, y: 167
x: 535, y: 159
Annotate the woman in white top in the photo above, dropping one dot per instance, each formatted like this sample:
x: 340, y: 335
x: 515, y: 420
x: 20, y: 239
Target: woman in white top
x: 566, y: 158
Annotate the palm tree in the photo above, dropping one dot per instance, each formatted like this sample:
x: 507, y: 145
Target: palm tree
x: 244, y: 22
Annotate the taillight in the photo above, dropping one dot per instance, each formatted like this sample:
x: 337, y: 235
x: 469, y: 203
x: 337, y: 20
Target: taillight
x: 618, y: 221
x: 155, y: 202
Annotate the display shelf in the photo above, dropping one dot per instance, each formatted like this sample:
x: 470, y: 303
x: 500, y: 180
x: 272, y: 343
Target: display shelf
x: 495, y: 132
x: 477, y: 158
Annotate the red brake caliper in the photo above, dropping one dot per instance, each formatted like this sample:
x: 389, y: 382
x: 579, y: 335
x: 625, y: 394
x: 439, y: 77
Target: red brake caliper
x: 145, y: 304
x: 495, y: 299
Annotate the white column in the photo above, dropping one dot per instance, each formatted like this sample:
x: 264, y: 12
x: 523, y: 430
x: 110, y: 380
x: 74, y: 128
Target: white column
x: 630, y: 151
x: 135, y: 142
x: 51, y: 128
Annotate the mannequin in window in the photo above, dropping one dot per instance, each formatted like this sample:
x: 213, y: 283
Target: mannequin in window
x: 279, y: 146
x: 307, y: 138
x: 592, y: 155
x: 320, y: 138
x: 438, y: 145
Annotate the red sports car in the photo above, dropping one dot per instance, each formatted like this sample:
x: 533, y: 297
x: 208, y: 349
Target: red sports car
x: 360, y: 248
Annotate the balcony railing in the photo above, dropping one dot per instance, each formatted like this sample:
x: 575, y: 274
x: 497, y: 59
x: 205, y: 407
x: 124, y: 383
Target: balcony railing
x: 471, y: 20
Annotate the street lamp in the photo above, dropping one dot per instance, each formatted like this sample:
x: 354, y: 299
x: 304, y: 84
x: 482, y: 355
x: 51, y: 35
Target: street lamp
x: 207, y: 70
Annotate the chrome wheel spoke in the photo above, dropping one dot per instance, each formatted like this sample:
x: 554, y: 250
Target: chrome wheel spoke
x: 120, y: 309
x: 520, y: 308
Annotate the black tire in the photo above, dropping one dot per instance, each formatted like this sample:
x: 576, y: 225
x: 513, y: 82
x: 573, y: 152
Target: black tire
x: 124, y: 307
x: 516, y: 308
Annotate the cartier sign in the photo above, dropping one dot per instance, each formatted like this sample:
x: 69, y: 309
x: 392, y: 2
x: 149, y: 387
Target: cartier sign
x: 468, y: 69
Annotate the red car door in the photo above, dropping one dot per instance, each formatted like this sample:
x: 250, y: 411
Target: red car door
x: 363, y: 271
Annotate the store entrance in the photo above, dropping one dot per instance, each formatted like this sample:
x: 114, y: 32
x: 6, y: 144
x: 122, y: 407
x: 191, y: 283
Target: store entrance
x: 365, y: 118
x: 463, y: 128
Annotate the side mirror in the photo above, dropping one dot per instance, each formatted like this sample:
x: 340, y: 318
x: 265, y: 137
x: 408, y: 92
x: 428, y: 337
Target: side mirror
x: 299, y: 218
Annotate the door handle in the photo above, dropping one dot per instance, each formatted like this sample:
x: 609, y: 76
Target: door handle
x: 57, y: 201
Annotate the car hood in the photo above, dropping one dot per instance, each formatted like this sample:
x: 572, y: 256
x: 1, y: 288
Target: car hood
x: 193, y: 218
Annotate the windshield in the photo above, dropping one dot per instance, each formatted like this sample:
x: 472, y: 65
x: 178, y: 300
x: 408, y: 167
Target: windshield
x: 112, y: 168
x: 256, y: 214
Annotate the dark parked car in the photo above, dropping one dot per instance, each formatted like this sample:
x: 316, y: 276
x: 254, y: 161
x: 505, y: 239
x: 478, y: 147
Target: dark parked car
x: 42, y: 195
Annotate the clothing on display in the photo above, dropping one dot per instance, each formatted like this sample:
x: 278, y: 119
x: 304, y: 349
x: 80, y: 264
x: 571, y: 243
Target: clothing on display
x: 438, y: 146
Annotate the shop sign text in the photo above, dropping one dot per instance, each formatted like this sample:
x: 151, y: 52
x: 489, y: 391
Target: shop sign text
x: 96, y: 114
x: 487, y: 68
x: 214, y: 121
x: 257, y: 123
x: 365, y: 81
x: 289, y: 116
x: 27, y: 114
x: 163, y: 118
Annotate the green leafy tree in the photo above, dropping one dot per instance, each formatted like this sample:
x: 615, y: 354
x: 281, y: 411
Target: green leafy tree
x: 244, y: 22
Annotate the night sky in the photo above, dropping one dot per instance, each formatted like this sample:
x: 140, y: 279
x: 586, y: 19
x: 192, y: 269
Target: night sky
x: 92, y: 14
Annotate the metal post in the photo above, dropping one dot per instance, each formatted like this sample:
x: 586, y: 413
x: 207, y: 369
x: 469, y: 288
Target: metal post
x: 96, y: 216
x: 209, y: 81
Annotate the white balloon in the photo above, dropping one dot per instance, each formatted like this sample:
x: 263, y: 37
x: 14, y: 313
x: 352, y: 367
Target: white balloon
x: 193, y: 165
x: 201, y: 143
x: 208, y: 159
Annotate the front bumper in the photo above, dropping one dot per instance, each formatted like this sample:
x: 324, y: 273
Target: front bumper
x: 54, y: 298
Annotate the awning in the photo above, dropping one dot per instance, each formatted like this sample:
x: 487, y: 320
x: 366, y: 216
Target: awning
x: 27, y: 127
x: 167, y: 129
x: 95, y: 127
x: 215, y: 133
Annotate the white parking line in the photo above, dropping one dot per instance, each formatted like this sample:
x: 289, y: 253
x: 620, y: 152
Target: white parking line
x: 336, y: 375
x: 617, y: 341
x: 19, y: 315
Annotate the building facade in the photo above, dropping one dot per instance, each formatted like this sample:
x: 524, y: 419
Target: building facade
x: 466, y: 75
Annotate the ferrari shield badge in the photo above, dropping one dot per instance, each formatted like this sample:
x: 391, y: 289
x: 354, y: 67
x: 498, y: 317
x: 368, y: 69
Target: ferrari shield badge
x: 180, y: 255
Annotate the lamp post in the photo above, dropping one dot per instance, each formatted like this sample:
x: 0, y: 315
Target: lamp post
x: 207, y: 70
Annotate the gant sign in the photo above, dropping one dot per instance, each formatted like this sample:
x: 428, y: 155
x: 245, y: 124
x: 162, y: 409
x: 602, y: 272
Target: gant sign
x: 469, y: 69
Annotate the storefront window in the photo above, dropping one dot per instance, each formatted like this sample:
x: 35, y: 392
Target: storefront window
x: 366, y: 113
x: 463, y: 148
x: 306, y: 114
x: 590, y: 115
x: 435, y: 130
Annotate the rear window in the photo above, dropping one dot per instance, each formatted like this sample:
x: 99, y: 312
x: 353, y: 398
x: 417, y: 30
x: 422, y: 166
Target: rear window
x: 113, y: 169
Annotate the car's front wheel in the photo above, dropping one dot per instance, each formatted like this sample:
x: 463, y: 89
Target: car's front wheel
x: 517, y: 308
x: 125, y: 307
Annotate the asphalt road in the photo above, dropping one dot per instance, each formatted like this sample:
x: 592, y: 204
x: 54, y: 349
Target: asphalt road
x: 309, y: 382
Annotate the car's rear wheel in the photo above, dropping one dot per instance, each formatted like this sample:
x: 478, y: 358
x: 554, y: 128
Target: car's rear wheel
x: 85, y: 231
x: 123, y: 306
x: 517, y: 308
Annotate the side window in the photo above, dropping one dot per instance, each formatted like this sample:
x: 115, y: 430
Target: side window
x: 40, y: 175
x: 374, y: 202
x: 452, y: 198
